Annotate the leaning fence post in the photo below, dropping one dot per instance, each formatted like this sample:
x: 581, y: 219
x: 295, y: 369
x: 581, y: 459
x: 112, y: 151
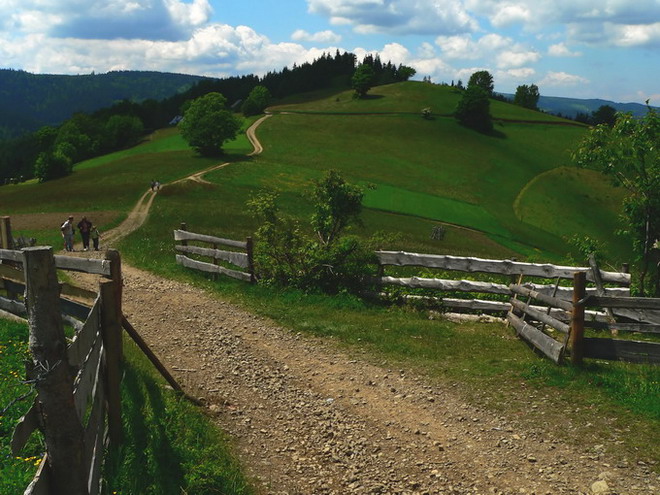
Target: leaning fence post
x: 6, y: 239
x: 577, y: 318
x: 112, y: 342
x: 63, y: 430
x: 249, y: 247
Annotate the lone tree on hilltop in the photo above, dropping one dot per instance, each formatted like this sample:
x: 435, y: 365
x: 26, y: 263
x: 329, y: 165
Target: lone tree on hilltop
x: 207, y: 124
x: 473, y: 110
x: 527, y: 96
x: 629, y: 153
x: 363, y: 80
x: 484, y: 80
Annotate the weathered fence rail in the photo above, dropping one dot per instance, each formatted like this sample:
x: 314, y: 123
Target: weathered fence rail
x: 239, y: 259
x: 553, y: 317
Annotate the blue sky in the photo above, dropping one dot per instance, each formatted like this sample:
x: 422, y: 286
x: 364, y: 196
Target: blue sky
x: 576, y: 48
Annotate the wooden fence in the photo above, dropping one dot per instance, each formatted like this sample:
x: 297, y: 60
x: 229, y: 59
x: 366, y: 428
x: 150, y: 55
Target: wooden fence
x: 77, y: 384
x: 236, y: 258
x: 554, y: 317
x: 550, y: 307
x: 78, y: 407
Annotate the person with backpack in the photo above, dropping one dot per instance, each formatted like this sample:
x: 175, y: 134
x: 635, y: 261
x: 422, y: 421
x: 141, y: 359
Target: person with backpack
x: 67, y: 233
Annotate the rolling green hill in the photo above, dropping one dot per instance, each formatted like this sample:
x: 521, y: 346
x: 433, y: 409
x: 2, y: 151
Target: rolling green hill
x: 514, y: 191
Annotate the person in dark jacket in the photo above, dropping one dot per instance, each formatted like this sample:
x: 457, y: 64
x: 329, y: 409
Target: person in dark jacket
x: 85, y: 227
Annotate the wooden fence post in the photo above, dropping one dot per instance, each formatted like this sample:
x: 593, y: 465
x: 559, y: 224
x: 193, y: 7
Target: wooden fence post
x: 184, y: 227
x: 249, y: 247
x: 577, y: 318
x: 112, y: 342
x: 63, y: 430
x: 113, y: 256
x: 6, y: 239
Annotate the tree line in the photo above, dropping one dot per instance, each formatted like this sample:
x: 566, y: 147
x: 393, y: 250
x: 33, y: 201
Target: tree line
x: 51, y: 151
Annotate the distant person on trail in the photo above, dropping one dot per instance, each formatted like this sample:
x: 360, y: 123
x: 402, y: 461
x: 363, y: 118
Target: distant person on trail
x: 153, y: 185
x: 67, y: 233
x: 85, y: 226
x: 95, y: 235
x: 157, y: 186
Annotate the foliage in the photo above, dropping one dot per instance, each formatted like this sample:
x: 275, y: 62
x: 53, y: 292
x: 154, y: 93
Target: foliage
x: 484, y: 80
x: 122, y: 131
x: 605, y: 114
x: 207, y: 124
x: 527, y: 96
x: 52, y: 165
x: 473, y: 110
x: 15, y: 472
x: 629, y: 153
x: 327, y: 261
x: 363, y: 80
x: 586, y: 246
x: 257, y: 101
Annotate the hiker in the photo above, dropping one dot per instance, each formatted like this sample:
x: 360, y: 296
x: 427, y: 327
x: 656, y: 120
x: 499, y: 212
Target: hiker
x: 85, y: 226
x: 153, y: 185
x: 157, y: 186
x: 67, y: 233
x: 95, y: 235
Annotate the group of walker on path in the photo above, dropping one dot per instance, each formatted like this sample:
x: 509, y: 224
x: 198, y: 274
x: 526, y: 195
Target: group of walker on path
x: 87, y: 231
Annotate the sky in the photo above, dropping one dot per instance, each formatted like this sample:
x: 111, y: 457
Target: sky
x: 607, y: 49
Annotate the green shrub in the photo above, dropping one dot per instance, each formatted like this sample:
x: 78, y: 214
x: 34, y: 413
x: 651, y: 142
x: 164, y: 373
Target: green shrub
x: 326, y: 260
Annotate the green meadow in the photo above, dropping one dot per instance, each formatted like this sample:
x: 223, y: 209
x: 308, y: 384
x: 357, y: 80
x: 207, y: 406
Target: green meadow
x: 513, y: 193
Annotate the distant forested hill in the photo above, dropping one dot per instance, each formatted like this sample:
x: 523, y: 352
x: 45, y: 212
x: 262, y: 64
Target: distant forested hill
x: 30, y: 101
x: 571, y: 107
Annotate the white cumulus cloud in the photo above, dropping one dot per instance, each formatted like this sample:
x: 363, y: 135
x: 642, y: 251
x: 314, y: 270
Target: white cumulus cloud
x: 559, y: 79
x: 320, y: 37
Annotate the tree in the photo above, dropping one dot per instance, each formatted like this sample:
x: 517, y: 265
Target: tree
x: 207, y: 124
x: 52, y: 166
x: 629, y: 153
x: 473, y: 110
x: 405, y: 72
x: 122, y: 131
x: 328, y: 260
x: 257, y: 101
x: 606, y: 114
x: 527, y: 96
x: 363, y: 80
x: 484, y: 80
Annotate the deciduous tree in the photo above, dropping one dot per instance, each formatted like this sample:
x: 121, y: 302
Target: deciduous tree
x: 363, y: 80
x: 484, y: 80
x: 629, y: 153
x: 527, y: 96
x: 208, y: 124
x: 473, y: 110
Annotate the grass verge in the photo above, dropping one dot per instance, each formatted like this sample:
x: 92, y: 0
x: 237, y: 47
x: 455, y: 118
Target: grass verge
x: 169, y: 445
x: 16, y: 472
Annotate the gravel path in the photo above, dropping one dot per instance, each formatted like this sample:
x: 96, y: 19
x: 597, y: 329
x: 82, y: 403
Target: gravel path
x: 310, y: 419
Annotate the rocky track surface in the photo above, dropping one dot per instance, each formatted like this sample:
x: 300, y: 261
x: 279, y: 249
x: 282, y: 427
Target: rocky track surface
x: 309, y: 418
